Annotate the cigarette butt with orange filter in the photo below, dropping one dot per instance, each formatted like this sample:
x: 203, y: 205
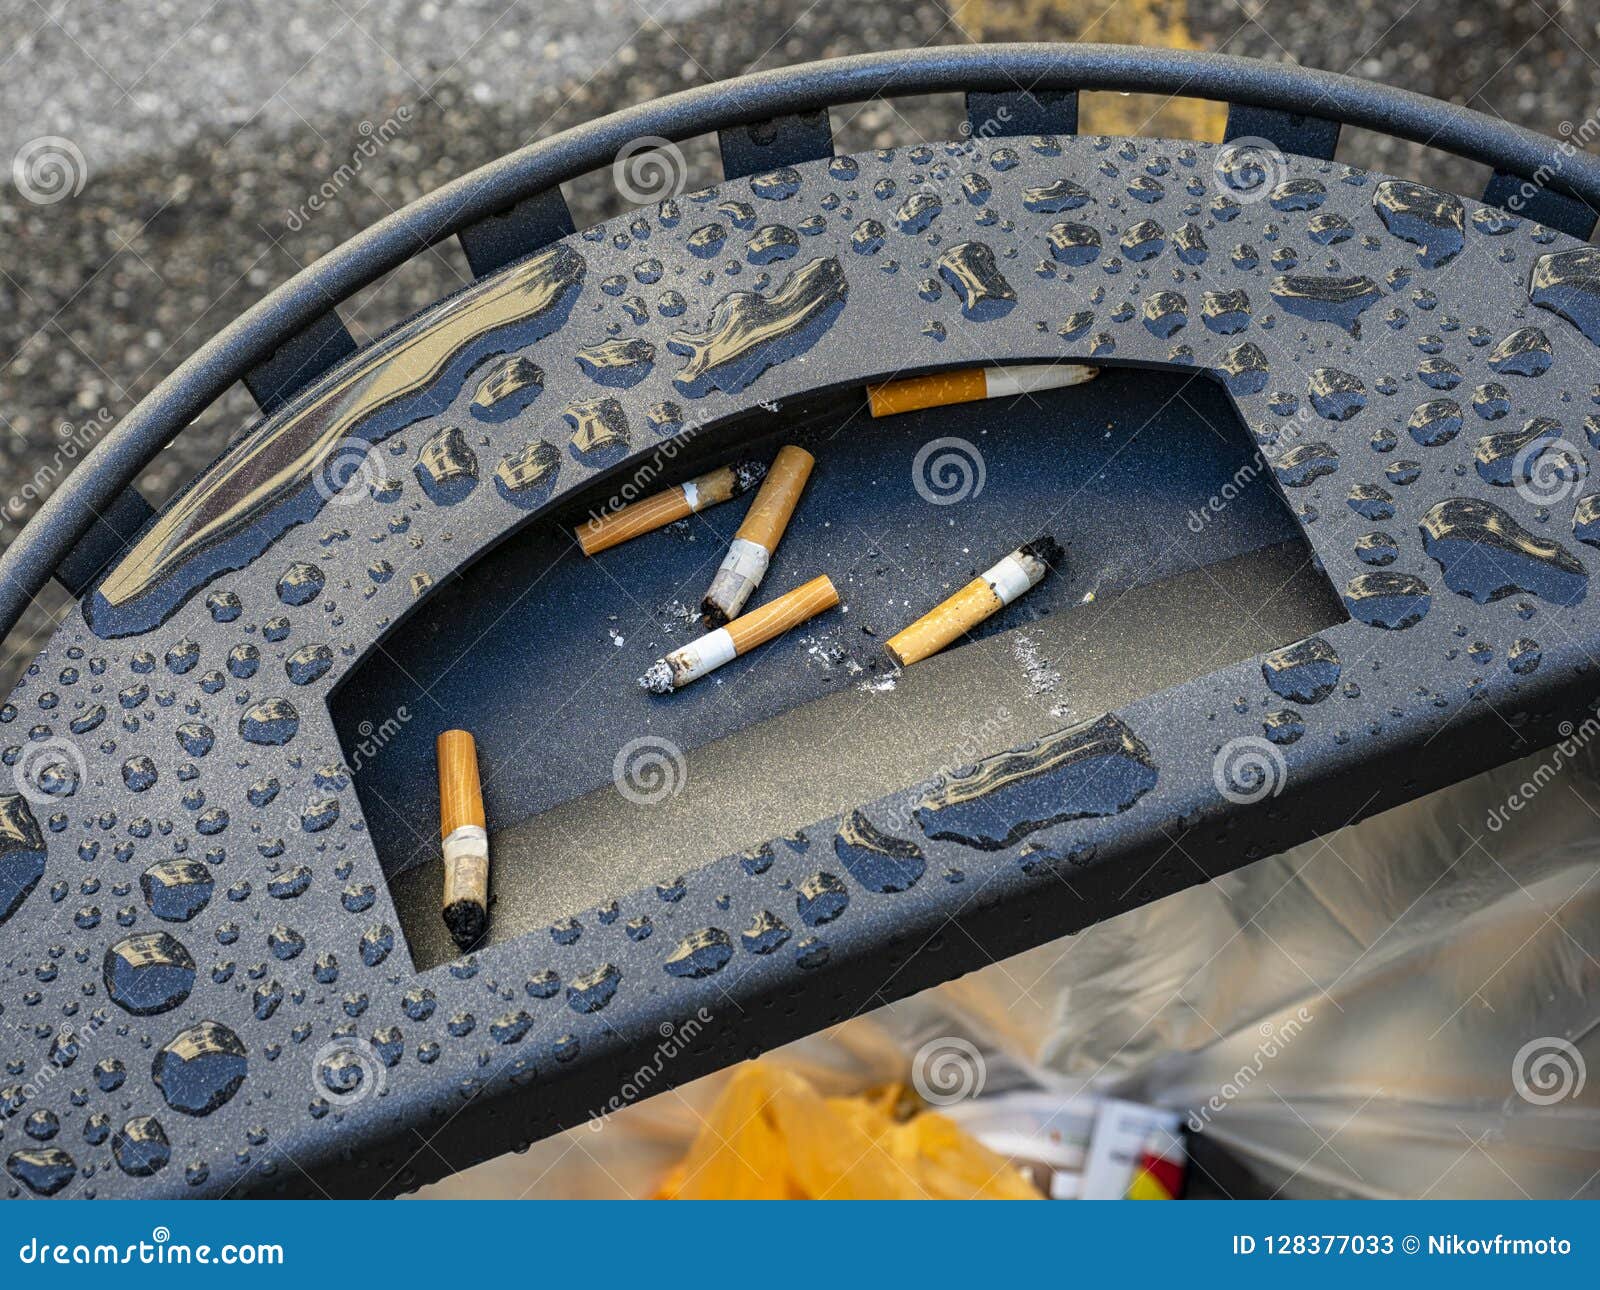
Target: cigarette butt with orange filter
x: 742, y: 635
x: 758, y: 537
x: 672, y: 504
x: 939, y: 389
x: 983, y: 597
x: 466, y: 842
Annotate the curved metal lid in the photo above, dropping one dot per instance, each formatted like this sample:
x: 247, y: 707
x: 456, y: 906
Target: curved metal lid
x: 203, y: 965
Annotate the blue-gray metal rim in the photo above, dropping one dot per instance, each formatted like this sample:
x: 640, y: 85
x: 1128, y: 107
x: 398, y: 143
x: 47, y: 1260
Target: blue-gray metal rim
x: 28, y: 564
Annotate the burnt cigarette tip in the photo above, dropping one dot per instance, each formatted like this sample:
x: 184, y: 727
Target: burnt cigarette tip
x: 1046, y: 550
x: 658, y: 678
x: 467, y: 921
x: 712, y: 614
x: 747, y: 474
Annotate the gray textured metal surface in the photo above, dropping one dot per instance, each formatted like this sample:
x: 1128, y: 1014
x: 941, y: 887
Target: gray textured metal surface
x: 202, y: 954
x: 29, y: 562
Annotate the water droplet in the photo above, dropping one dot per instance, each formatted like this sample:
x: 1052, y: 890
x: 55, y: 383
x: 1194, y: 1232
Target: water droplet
x: 1098, y: 767
x: 1305, y: 672
x: 200, y: 1068
x: 1393, y: 601
x: 877, y: 860
x: 700, y: 953
x: 1425, y: 217
x: 148, y: 973
x: 1487, y: 555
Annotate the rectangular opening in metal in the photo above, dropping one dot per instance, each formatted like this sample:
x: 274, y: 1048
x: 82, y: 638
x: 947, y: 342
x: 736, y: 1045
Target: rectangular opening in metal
x: 1181, y: 558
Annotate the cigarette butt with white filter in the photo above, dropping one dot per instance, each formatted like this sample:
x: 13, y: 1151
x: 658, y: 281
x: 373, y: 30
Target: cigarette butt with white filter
x: 466, y: 842
x: 758, y: 537
x: 742, y: 635
x: 668, y: 506
x: 981, y: 598
x: 940, y: 389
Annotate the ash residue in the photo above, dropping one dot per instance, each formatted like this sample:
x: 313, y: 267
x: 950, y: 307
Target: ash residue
x: 747, y: 474
x: 1042, y: 678
x: 1046, y: 550
x: 675, y: 615
x: 657, y: 677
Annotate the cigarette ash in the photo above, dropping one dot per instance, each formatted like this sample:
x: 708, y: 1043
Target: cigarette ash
x: 825, y: 652
x: 466, y: 921
x: 617, y: 638
x: 879, y: 684
x: 657, y: 678
x: 675, y: 615
x: 1046, y: 550
x: 1042, y: 678
x: 747, y: 474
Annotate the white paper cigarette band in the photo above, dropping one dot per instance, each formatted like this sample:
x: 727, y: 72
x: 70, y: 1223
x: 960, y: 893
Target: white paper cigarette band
x: 746, y: 562
x: 1024, y: 378
x: 966, y: 385
x: 981, y: 598
x: 697, y: 658
x: 711, y: 651
x: 466, y: 843
x: 603, y: 532
x: 1012, y: 576
x: 466, y: 865
x: 739, y: 575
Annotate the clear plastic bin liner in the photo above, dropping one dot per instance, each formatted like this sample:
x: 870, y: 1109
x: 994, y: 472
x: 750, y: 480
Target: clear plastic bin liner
x: 1406, y: 1007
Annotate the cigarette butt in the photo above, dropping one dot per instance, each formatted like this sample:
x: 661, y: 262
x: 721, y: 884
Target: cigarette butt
x: 651, y: 513
x: 758, y: 537
x: 981, y: 598
x: 939, y: 389
x: 465, y: 840
x: 742, y: 635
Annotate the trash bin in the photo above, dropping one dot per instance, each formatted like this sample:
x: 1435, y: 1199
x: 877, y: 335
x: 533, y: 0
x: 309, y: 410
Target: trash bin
x: 1325, y: 520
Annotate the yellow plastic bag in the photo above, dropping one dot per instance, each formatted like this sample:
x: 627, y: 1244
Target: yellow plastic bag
x: 772, y: 1136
